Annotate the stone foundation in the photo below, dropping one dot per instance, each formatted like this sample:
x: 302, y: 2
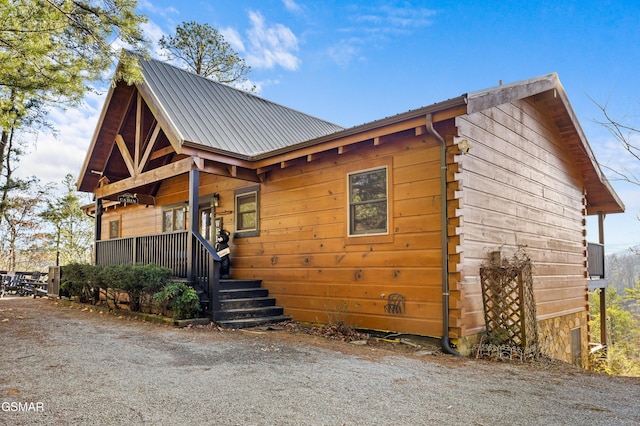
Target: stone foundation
x: 555, y: 338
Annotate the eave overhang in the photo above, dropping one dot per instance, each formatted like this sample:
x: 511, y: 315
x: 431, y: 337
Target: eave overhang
x: 547, y: 90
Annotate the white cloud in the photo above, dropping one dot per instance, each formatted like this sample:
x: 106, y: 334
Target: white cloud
x: 392, y: 19
x: 51, y: 157
x: 147, y: 6
x: 617, y: 163
x: 154, y: 33
x: 375, y: 26
x: 345, y: 51
x: 292, y: 6
x: 271, y: 45
x: 232, y: 37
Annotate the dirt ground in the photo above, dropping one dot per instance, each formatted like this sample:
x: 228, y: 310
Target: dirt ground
x: 84, y: 365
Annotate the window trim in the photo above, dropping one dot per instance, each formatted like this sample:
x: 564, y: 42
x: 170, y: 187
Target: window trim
x: 350, y: 218
x: 253, y: 232
x: 172, y: 210
x: 111, y: 228
x: 382, y: 237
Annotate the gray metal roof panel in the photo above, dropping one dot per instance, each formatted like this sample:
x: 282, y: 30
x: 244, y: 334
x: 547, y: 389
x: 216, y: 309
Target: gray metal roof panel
x: 225, y: 119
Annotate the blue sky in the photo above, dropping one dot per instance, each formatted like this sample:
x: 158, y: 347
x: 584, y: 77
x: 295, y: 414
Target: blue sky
x: 352, y: 62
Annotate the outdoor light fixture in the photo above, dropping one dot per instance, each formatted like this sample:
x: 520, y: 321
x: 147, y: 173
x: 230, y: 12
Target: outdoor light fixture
x: 215, y: 200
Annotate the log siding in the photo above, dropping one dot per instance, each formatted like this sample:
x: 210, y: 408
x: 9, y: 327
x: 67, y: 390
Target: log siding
x: 309, y: 263
x: 521, y: 189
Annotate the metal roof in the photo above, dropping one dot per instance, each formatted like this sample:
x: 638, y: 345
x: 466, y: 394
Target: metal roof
x: 200, y: 113
x: 217, y: 117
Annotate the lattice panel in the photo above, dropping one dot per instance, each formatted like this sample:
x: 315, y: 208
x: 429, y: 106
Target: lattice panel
x: 509, y: 304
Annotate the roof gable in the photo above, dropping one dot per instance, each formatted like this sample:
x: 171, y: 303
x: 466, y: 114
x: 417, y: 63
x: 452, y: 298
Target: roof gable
x: 548, y: 92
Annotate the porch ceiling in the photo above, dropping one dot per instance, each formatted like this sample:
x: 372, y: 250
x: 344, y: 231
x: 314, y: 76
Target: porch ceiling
x: 111, y: 117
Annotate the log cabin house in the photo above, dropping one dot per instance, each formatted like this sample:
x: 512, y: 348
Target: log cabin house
x: 347, y: 224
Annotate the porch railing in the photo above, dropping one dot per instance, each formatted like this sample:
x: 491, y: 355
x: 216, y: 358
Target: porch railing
x: 595, y: 260
x: 170, y: 250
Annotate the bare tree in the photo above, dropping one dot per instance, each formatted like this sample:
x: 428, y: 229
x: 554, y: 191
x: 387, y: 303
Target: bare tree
x: 21, y: 221
x: 628, y: 136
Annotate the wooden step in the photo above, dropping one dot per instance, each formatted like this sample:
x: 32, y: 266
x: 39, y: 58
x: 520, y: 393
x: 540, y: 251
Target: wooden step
x: 252, y: 322
x: 247, y: 302
x: 229, y: 284
x: 243, y: 293
x: 257, y: 312
x: 244, y: 303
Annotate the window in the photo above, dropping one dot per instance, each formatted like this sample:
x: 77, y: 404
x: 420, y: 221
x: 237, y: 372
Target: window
x: 114, y: 229
x: 368, y: 207
x: 174, y: 219
x: 247, y: 212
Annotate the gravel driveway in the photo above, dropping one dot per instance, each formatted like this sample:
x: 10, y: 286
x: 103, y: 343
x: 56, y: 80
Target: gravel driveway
x: 65, y: 365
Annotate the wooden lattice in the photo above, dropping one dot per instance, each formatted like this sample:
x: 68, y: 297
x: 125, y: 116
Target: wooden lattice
x: 509, y: 304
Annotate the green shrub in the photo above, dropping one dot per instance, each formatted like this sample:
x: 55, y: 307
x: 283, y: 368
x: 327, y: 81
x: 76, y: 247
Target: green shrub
x: 154, y: 277
x: 140, y: 280
x: 84, y: 281
x: 114, y: 277
x: 182, y: 299
x: 76, y: 281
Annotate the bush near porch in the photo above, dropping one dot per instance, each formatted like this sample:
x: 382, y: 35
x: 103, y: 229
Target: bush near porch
x: 147, y: 288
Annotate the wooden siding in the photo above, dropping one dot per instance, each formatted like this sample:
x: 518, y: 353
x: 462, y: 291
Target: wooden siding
x: 303, y: 253
x: 519, y: 188
x: 135, y: 220
x: 306, y: 260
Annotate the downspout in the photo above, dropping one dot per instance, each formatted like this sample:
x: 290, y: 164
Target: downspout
x: 444, y: 341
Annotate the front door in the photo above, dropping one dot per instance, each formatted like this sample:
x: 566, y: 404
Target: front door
x: 207, y: 227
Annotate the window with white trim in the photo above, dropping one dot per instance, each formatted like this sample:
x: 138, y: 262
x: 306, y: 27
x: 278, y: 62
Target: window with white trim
x: 368, y: 202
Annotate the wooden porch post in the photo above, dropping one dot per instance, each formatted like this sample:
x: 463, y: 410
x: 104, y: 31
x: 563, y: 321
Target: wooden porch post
x: 603, y: 290
x: 98, y: 230
x: 98, y: 225
x: 603, y: 316
x: 192, y: 219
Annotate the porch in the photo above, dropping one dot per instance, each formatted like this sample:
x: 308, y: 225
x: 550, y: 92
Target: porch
x: 230, y: 303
